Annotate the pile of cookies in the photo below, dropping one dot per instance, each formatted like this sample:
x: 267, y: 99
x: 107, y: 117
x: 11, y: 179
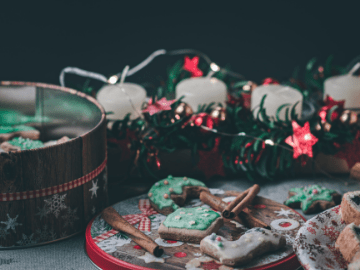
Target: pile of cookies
x: 348, y: 241
x: 22, y: 137
x: 199, y: 225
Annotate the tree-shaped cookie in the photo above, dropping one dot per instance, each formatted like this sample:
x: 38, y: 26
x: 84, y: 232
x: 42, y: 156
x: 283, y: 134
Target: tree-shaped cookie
x: 312, y: 198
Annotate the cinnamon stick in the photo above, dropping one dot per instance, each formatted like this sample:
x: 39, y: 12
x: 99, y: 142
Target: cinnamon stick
x: 219, y: 205
x: 119, y: 223
x: 253, y: 191
x: 230, y: 206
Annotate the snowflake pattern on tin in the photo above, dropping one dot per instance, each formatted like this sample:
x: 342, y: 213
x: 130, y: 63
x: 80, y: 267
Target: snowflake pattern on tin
x: 27, y: 240
x: 3, y: 233
x: 42, y: 213
x: 11, y: 223
x: 94, y: 188
x: 70, y: 217
x: 55, y: 204
x: 45, y: 234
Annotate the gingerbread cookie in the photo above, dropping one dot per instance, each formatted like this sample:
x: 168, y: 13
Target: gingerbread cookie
x: 312, y: 199
x: 19, y: 143
x: 170, y: 193
x: 190, y: 224
x: 9, y: 132
x: 348, y: 241
x: 253, y: 243
x: 350, y: 207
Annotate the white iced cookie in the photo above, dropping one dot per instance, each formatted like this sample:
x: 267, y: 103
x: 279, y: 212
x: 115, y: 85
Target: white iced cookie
x: 253, y: 243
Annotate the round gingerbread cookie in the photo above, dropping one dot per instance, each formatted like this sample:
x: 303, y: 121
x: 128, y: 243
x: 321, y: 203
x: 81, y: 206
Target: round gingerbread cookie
x: 313, y: 198
x: 168, y: 194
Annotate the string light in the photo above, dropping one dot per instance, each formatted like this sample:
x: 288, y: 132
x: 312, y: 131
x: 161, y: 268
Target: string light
x: 269, y: 142
x: 114, y: 78
x: 243, y: 134
x: 214, y: 67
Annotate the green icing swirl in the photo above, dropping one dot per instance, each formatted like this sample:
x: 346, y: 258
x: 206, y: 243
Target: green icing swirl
x: 10, y: 129
x: 197, y: 218
x: 26, y: 144
x: 158, y: 190
x: 306, y: 197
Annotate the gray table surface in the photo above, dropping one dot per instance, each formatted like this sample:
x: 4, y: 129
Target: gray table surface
x: 70, y: 254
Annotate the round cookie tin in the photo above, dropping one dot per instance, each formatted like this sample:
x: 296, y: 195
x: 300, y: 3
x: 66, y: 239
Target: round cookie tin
x: 51, y: 193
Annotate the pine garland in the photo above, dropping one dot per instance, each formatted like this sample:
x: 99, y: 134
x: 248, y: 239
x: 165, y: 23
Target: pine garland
x: 249, y: 154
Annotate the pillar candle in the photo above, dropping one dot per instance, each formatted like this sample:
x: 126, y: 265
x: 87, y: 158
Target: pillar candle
x: 116, y: 98
x: 344, y: 87
x: 276, y: 95
x: 201, y: 90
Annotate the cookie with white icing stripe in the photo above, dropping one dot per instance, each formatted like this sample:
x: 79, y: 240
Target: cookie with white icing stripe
x: 190, y: 224
x: 168, y: 194
x: 252, y: 244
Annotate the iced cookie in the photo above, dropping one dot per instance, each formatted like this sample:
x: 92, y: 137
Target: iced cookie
x: 9, y: 132
x: 252, y: 244
x: 350, y: 207
x: 312, y: 199
x: 190, y: 224
x: 168, y: 194
x: 19, y: 143
x: 348, y: 241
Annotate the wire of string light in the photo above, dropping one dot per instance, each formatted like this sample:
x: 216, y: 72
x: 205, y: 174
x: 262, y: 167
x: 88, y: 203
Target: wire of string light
x: 114, y: 78
x: 243, y: 134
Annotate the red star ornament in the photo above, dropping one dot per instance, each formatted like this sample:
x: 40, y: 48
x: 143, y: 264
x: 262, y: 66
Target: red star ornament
x: 329, y: 103
x: 268, y: 81
x: 210, y: 162
x: 160, y: 105
x: 191, y: 65
x: 302, y: 140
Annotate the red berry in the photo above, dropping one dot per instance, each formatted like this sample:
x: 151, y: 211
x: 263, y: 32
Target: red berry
x: 218, y: 238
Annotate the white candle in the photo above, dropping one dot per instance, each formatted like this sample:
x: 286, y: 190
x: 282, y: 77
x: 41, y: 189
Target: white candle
x: 116, y: 98
x: 276, y: 95
x: 344, y: 87
x: 201, y: 90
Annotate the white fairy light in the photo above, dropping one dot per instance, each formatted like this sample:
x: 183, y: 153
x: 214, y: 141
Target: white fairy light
x: 269, y: 142
x: 113, y: 79
x: 214, y: 67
